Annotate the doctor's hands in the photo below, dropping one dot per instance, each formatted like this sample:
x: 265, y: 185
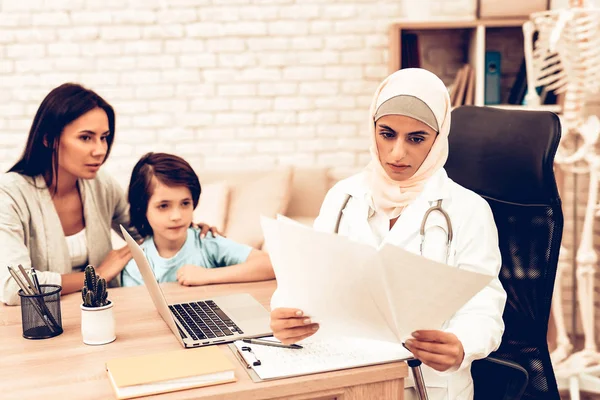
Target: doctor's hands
x: 436, y: 349
x: 290, y: 325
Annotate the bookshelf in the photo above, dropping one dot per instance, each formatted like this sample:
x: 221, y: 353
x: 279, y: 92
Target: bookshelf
x: 468, y: 42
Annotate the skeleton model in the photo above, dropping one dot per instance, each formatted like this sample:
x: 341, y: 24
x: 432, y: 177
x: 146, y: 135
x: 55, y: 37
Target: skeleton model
x: 566, y: 58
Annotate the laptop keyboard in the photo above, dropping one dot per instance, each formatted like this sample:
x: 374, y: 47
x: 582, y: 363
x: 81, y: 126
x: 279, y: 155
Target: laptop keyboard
x: 204, y: 320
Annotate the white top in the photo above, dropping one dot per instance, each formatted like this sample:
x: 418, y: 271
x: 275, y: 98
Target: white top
x: 436, y: 232
x: 478, y: 324
x: 77, y: 245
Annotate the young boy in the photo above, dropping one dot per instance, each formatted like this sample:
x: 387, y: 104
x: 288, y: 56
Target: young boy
x: 163, y: 192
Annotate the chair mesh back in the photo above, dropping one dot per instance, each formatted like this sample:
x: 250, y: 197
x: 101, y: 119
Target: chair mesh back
x: 529, y: 241
x: 518, y: 183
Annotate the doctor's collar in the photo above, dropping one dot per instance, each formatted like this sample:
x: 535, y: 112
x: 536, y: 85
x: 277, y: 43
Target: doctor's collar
x: 437, y: 187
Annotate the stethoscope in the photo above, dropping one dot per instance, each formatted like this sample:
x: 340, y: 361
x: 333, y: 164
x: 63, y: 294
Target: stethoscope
x: 423, y: 230
x: 449, y: 233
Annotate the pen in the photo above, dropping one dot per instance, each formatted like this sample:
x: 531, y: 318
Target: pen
x: 36, y: 306
x: 35, y: 281
x: 28, y: 281
x: 43, y: 305
x: 274, y: 344
x: 23, y: 285
x: 35, y: 289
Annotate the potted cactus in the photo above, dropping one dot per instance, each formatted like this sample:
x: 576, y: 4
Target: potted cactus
x: 97, y: 321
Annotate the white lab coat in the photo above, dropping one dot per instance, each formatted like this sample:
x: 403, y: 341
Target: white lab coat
x: 478, y: 325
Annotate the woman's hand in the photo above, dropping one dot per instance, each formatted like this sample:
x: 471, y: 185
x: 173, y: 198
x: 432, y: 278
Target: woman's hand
x: 114, y: 263
x: 290, y: 325
x: 205, y: 228
x: 193, y: 275
x: 436, y: 349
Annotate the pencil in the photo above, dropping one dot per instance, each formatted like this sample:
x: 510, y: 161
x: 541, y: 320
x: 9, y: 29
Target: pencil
x: 41, y: 298
x: 28, y: 292
x: 27, y: 280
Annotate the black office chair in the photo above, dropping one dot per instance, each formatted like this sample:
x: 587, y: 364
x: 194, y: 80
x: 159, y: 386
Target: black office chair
x: 507, y: 157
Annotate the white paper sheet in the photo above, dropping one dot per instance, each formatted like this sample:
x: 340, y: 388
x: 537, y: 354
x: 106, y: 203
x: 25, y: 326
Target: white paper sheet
x: 422, y: 293
x: 322, y: 275
x: 354, y: 290
x: 319, y: 356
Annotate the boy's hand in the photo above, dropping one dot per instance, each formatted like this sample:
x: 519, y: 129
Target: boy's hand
x: 193, y: 275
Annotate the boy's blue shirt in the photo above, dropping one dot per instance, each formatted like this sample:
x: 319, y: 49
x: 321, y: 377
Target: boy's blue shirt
x: 210, y: 252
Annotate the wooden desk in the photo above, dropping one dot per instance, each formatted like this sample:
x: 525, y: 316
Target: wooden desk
x: 65, y: 368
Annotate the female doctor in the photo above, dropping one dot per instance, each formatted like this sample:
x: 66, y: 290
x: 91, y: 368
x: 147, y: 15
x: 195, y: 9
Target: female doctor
x: 390, y: 200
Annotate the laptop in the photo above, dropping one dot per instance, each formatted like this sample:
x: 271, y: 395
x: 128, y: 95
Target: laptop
x: 220, y: 319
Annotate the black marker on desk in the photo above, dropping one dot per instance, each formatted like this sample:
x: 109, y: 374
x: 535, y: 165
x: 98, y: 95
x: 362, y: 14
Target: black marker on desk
x: 273, y: 344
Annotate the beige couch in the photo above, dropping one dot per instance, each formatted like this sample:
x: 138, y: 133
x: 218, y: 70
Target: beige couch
x: 233, y: 201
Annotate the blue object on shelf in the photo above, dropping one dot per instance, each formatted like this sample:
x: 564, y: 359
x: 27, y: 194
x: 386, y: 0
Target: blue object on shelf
x: 492, y: 77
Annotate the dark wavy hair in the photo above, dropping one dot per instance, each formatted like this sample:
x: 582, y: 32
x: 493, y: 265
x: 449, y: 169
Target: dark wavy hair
x: 59, y: 108
x: 168, y: 169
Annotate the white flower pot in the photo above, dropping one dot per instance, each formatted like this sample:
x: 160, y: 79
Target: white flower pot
x: 97, y: 324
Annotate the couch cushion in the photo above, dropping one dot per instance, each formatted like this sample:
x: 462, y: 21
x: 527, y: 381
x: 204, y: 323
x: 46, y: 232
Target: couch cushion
x: 213, y: 205
x: 267, y: 195
x: 309, y: 187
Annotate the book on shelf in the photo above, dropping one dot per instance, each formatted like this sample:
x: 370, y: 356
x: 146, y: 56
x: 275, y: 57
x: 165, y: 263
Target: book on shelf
x: 470, y: 88
x: 462, y: 84
x: 411, y: 57
x: 519, y: 87
x: 454, y: 86
x: 167, y: 372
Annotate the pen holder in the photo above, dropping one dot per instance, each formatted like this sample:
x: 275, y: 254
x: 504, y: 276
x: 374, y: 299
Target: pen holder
x: 40, y: 313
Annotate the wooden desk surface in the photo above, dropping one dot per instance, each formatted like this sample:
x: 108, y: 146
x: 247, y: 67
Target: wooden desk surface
x: 64, y: 367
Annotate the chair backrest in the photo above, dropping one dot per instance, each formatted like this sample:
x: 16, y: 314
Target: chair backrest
x: 507, y: 157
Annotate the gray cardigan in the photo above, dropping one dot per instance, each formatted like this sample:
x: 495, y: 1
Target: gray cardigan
x: 31, y: 232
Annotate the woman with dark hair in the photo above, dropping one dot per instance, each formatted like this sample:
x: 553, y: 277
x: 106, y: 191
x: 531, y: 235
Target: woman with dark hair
x: 56, y: 209
x: 163, y: 193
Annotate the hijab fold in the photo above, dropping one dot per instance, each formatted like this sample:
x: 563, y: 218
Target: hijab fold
x: 389, y: 196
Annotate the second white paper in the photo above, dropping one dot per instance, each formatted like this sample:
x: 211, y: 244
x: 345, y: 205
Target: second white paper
x: 352, y: 289
x: 422, y: 293
x: 322, y: 274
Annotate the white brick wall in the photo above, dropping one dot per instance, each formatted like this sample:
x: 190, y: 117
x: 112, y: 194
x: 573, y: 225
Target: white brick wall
x: 222, y: 82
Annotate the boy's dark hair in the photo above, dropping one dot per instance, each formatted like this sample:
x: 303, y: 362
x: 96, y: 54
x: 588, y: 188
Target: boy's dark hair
x: 59, y: 108
x: 168, y: 169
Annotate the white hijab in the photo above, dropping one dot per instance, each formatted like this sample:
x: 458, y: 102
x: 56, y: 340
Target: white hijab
x: 389, y: 196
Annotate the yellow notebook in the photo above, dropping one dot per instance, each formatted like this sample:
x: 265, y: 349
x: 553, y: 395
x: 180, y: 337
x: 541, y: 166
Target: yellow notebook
x: 167, y: 372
